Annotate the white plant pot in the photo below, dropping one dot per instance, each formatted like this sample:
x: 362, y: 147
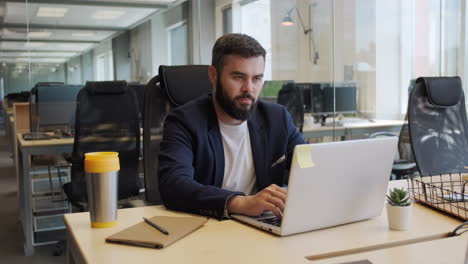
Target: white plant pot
x: 399, y: 217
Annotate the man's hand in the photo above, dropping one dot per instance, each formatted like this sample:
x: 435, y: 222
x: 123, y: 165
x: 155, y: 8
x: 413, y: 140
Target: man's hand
x: 271, y: 198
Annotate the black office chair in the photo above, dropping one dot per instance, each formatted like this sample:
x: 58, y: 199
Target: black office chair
x: 140, y: 93
x: 106, y: 120
x: 291, y: 96
x: 438, y: 126
x: 404, y: 164
x: 173, y: 87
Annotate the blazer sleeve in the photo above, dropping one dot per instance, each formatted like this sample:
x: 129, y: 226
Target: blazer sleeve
x: 179, y: 190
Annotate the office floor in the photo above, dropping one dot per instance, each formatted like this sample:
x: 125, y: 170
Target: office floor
x: 11, y: 237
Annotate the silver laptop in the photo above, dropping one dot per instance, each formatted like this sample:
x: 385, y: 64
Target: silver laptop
x: 332, y: 184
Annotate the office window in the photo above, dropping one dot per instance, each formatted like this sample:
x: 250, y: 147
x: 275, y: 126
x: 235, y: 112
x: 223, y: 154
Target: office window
x: 100, y: 68
x: 104, y: 67
x: 178, y: 44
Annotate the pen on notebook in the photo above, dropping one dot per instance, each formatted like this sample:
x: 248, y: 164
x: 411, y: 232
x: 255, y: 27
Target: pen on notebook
x: 162, y: 230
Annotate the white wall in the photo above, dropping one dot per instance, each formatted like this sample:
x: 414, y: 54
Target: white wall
x: 141, y: 47
x: 73, y: 71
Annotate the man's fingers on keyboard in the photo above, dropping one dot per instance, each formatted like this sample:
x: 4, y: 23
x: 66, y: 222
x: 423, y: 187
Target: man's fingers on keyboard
x: 279, y: 195
x: 276, y: 188
x: 277, y: 202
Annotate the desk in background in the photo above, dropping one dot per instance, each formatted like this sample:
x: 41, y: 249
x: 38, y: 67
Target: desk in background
x: 8, y: 121
x: 233, y: 242
x: 24, y: 151
x: 353, y: 129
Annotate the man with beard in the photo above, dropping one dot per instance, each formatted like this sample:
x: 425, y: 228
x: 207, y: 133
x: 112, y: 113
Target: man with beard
x: 228, y: 153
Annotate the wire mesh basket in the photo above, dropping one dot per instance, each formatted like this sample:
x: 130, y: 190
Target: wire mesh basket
x: 444, y: 192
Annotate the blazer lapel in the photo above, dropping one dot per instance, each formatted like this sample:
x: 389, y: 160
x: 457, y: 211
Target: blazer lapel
x: 217, y: 150
x: 258, y: 142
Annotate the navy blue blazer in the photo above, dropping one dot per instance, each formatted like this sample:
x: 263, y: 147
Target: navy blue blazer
x: 191, y: 158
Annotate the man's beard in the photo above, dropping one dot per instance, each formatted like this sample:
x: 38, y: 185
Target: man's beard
x: 228, y: 105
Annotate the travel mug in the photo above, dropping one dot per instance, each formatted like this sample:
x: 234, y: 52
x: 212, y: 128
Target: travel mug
x: 102, y: 182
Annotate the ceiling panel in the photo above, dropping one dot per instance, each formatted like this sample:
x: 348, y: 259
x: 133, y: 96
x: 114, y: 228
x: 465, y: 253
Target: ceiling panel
x: 33, y: 60
x: 16, y: 54
x: 138, y: 1
x: 56, y: 34
x: 44, y: 46
x: 59, y: 30
x: 77, y: 15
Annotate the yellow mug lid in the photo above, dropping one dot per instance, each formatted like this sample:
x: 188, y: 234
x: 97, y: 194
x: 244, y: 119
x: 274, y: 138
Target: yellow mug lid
x: 99, y: 162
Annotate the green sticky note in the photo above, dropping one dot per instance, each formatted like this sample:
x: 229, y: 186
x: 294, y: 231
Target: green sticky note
x: 304, y: 156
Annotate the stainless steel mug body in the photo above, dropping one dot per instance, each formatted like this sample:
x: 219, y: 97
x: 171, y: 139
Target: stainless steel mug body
x: 102, y: 196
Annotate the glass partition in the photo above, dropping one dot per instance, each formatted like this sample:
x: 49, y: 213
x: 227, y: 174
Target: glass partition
x: 356, y: 61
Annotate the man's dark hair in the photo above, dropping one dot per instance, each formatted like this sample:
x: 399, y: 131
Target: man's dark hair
x: 235, y: 44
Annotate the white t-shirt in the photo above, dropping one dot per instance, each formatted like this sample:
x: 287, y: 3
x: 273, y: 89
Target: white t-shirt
x: 239, y: 172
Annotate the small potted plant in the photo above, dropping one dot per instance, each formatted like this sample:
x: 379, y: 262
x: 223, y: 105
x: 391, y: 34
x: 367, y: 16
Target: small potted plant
x: 399, y: 209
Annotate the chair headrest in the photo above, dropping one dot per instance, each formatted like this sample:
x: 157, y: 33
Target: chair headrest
x: 442, y: 91
x: 107, y: 87
x: 184, y: 83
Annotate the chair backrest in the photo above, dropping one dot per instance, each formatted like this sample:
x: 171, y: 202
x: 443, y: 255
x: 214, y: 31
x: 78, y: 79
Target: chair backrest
x: 438, y: 126
x: 404, y: 143
x: 291, y: 96
x: 140, y: 93
x: 173, y: 87
x: 107, y: 120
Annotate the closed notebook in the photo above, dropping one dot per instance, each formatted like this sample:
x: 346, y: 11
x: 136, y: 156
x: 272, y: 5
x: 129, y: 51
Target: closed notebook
x: 144, y: 235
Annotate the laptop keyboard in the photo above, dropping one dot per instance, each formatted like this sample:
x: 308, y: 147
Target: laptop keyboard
x: 275, y: 221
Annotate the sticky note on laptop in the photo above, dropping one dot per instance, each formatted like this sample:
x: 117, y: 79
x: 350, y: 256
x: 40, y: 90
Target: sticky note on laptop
x: 304, y: 156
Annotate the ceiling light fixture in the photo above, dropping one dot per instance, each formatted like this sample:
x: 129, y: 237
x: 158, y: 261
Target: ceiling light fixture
x: 51, y: 12
x: 83, y: 34
x: 108, y: 14
x: 287, y: 20
x: 71, y: 46
x: 33, y: 44
x: 40, y: 34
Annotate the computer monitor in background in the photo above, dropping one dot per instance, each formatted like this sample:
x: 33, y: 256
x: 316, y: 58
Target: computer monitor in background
x: 271, y: 89
x: 340, y: 99
x: 53, y: 106
x: 22, y: 96
x: 320, y: 99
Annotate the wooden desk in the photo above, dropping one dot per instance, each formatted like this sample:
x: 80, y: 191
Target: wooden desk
x: 451, y: 250
x: 26, y: 148
x: 8, y: 120
x: 353, y: 129
x: 233, y: 242
x: 20, y: 124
